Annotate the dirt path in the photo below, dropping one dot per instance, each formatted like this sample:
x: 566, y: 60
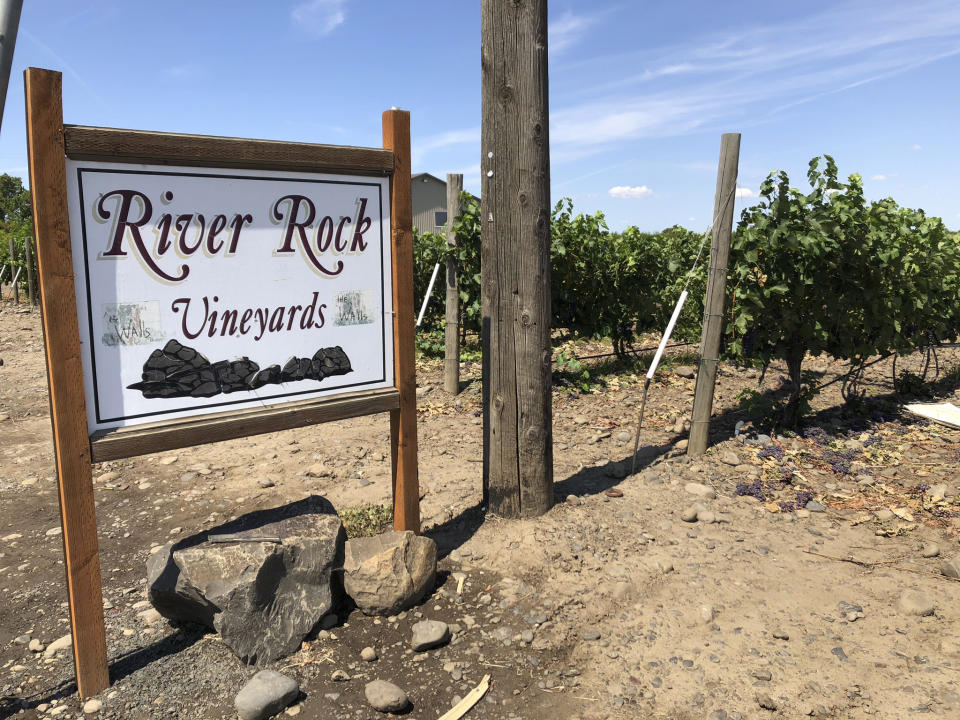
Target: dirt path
x: 607, y: 607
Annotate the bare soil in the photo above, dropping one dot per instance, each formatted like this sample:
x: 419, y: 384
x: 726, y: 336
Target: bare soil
x: 609, y: 606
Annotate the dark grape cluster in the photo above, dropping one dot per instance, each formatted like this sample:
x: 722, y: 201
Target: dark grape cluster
x: 754, y: 489
x: 817, y: 435
x: 787, y: 506
x: 872, y: 440
x: 919, y: 489
x: 803, y: 497
x: 839, y: 461
x: 771, y: 451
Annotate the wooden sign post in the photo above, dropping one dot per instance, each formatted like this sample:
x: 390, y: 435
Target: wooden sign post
x: 104, y: 311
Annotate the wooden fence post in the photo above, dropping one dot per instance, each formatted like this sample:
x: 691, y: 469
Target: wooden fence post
x: 14, y: 276
x: 28, y: 255
x: 515, y: 258
x: 403, y: 422
x: 716, y: 293
x: 48, y: 184
x: 451, y: 336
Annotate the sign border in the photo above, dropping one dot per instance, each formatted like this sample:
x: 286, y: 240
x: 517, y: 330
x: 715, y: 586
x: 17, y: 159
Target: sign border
x: 86, y: 263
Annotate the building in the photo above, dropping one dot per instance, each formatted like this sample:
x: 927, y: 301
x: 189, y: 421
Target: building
x: 429, y: 195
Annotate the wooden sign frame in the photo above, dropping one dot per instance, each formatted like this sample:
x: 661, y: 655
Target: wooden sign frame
x: 49, y: 144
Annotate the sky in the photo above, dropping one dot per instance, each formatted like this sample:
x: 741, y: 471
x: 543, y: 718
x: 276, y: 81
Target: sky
x: 640, y: 91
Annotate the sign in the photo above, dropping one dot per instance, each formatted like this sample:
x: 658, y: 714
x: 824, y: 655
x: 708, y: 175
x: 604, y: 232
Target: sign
x: 197, y: 289
x: 204, y: 290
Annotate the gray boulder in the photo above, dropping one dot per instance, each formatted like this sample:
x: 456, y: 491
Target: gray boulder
x: 263, y: 598
x: 390, y: 572
x: 266, y: 694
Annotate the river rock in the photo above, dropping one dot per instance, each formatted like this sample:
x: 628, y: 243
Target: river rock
x: 429, y: 634
x: 267, y: 693
x: 388, y: 573
x: 263, y: 598
x: 385, y: 696
x: 700, y: 490
x: 951, y: 567
x: 914, y: 602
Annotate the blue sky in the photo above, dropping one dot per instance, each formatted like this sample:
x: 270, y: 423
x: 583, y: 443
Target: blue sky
x: 639, y: 91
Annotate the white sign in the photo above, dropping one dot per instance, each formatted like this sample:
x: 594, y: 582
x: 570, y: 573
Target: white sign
x: 202, y: 290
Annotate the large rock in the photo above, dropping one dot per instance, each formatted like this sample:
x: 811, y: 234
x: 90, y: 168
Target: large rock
x: 390, y: 572
x: 262, y: 597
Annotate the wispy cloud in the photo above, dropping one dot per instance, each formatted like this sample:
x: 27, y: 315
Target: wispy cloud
x: 744, y: 193
x: 319, y: 17
x: 566, y: 30
x: 625, y: 191
x: 422, y: 148
x: 748, y: 77
x: 60, y: 62
x: 878, y: 177
x: 916, y: 147
x: 179, y: 72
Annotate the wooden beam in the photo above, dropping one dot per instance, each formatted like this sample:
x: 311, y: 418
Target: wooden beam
x: 515, y: 262
x: 170, y: 435
x: 403, y: 421
x: 716, y: 293
x: 155, y: 148
x: 48, y: 183
x: 451, y: 327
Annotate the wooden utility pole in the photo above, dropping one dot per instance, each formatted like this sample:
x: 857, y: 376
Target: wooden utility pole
x: 716, y: 292
x: 515, y: 259
x: 451, y: 350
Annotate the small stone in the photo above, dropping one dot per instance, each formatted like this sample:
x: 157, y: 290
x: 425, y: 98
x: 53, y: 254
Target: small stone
x: 57, y: 645
x: 706, y: 613
x: 385, y: 697
x: 717, y: 715
x: 849, y: 611
x: 930, y: 550
x: 35, y: 646
x: 150, y: 617
x: 701, y: 490
x: 814, y: 506
x: 54, y: 531
x: 265, y: 483
x: 781, y: 635
x: 339, y: 676
x: 762, y: 675
x: 706, y: 516
x: 885, y: 515
x: 690, y: 514
x: 951, y: 567
x: 937, y: 492
x: 429, y: 634
x: 914, y: 602
x: 265, y: 694
x: 729, y: 458
x: 93, y: 705
x: 766, y: 702
x: 591, y: 635
x: 368, y: 654
x: 22, y: 639
x: 686, y: 371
